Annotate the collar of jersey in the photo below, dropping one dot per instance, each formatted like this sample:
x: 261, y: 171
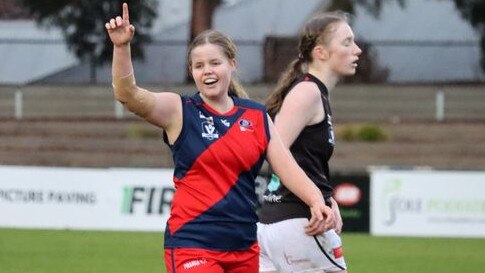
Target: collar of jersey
x: 319, y: 83
x: 213, y: 111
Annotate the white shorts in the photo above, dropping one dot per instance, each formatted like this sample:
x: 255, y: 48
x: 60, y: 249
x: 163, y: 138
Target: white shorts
x: 285, y: 247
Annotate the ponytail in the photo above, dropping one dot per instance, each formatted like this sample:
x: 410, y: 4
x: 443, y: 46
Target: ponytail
x: 236, y: 89
x: 292, y: 72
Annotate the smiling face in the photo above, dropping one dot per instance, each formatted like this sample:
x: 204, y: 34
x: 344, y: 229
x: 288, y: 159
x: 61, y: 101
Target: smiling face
x: 211, y: 69
x: 343, y: 52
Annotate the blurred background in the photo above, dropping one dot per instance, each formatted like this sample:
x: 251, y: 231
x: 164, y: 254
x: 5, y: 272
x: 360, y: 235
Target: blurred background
x: 419, y: 89
x: 416, y: 104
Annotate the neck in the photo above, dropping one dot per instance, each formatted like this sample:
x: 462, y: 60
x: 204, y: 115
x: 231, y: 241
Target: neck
x: 324, y: 74
x: 222, y: 104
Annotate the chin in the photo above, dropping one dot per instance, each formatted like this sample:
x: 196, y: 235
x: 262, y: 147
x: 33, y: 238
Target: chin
x: 210, y: 93
x: 352, y: 72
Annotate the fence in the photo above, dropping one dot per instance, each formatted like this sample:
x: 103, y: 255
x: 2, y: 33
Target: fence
x: 66, y: 93
x: 350, y: 102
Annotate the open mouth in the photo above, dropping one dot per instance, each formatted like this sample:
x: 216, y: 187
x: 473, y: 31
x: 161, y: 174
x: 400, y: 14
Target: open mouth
x: 210, y: 81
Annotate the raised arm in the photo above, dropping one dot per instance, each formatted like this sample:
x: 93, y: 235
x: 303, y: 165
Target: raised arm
x: 293, y: 177
x: 161, y: 109
x: 121, y: 32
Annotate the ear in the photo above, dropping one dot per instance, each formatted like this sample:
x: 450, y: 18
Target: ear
x: 233, y: 63
x: 321, y: 52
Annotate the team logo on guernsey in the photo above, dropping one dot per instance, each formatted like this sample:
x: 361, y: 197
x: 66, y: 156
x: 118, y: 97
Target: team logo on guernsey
x: 209, y: 131
x: 245, y: 125
x: 331, y: 133
x: 225, y: 122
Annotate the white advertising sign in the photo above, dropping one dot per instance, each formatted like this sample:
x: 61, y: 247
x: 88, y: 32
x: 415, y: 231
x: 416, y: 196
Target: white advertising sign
x: 74, y: 198
x: 428, y: 203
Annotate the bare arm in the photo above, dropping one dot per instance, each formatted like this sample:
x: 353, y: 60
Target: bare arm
x: 293, y: 177
x: 161, y: 109
x: 301, y: 107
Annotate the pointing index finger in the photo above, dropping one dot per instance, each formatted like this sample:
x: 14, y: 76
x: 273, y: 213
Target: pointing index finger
x: 126, y: 15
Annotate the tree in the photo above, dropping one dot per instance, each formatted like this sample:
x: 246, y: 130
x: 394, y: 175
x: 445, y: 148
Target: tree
x: 10, y: 10
x: 372, y: 6
x: 82, y: 23
x: 200, y: 20
x: 474, y: 12
x: 202, y: 13
x: 369, y: 70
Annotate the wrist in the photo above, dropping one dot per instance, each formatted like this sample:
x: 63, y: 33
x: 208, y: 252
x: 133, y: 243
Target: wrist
x: 122, y: 45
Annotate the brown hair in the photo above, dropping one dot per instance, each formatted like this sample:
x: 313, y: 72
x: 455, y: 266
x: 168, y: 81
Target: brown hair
x: 316, y: 31
x: 228, y: 47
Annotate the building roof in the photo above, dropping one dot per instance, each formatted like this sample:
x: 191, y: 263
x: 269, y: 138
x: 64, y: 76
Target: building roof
x: 30, y: 53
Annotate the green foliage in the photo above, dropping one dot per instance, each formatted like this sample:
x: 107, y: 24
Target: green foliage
x: 474, y: 12
x: 347, y: 134
x: 362, y: 132
x: 371, y: 133
x: 82, y: 23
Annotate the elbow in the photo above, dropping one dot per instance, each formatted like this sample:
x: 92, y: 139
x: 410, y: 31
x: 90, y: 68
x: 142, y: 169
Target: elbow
x: 121, y: 94
x: 136, y: 100
x: 124, y: 87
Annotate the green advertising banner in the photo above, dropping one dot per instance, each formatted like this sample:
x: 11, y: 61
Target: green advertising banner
x: 352, y: 195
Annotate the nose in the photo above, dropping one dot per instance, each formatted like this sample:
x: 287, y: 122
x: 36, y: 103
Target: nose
x: 207, y: 70
x: 357, y: 51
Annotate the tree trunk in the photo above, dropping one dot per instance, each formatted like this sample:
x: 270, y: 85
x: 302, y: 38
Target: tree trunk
x: 202, y: 12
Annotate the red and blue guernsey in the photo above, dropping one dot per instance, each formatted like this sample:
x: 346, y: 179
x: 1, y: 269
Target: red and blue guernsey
x: 217, y: 158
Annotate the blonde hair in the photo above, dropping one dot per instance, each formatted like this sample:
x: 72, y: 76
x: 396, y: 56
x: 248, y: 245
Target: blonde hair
x: 316, y: 31
x: 228, y: 47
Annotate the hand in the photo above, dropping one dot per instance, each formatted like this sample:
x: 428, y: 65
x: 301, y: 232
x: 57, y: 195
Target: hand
x: 338, y: 224
x: 338, y: 218
x: 322, y: 219
x: 119, y: 29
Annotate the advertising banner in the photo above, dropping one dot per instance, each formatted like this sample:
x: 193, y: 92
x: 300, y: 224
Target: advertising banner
x: 76, y: 198
x: 352, y: 195
x: 428, y: 203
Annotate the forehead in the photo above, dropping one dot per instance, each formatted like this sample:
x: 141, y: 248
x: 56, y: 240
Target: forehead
x: 207, y: 51
x: 342, y: 30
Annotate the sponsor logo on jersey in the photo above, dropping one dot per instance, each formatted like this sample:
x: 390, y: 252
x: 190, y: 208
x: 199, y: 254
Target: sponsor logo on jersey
x: 338, y: 252
x: 194, y: 263
x: 225, y: 122
x: 245, y: 125
x: 290, y: 260
x: 273, y: 186
x: 331, y: 133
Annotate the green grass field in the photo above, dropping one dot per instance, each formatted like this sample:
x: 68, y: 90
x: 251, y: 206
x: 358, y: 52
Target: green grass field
x: 47, y: 251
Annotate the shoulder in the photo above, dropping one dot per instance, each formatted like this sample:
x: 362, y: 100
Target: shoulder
x: 193, y: 99
x: 305, y: 94
x: 248, y: 103
x: 306, y: 88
